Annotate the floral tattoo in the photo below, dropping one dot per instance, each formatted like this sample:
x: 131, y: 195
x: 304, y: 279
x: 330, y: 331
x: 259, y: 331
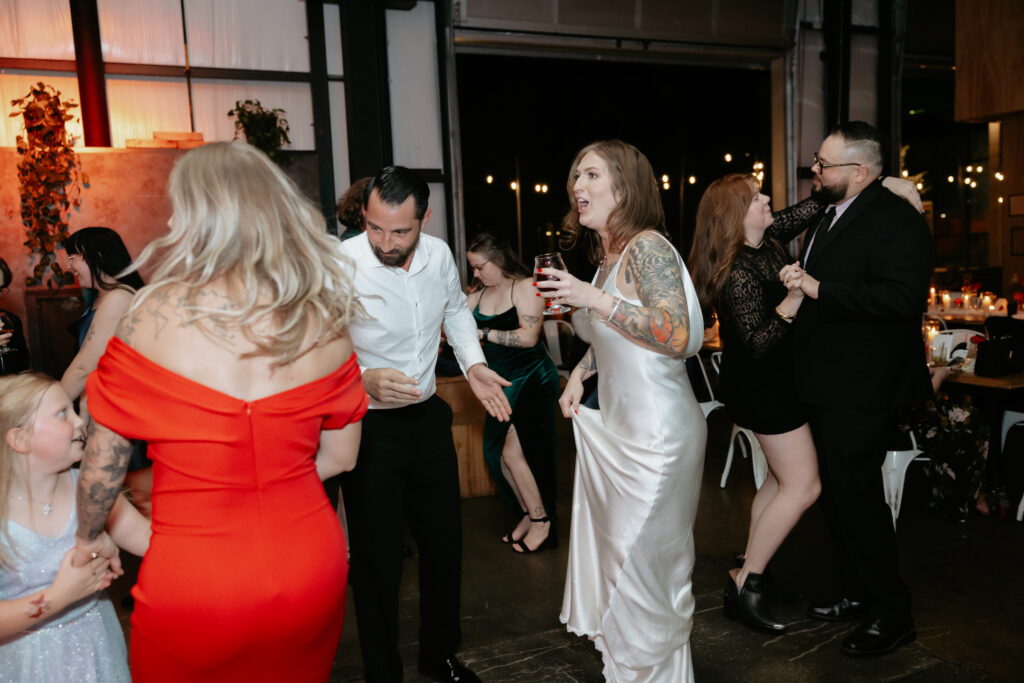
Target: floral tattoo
x: 661, y: 321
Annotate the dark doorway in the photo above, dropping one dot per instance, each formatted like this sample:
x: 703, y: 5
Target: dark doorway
x: 538, y: 113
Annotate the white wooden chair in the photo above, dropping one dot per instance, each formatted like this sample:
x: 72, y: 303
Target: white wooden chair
x: 894, y: 474
x: 1011, y: 418
x: 553, y: 343
x: 749, y: 446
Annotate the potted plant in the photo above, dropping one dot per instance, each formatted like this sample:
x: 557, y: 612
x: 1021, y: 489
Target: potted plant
x: 265, y: 129
x: 50, y: 179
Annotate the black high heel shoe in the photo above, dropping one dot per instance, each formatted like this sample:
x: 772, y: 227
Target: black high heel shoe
x: 550, y: 542
x: 774, y: 591
x: 508, y: 539
x: 748, y: 605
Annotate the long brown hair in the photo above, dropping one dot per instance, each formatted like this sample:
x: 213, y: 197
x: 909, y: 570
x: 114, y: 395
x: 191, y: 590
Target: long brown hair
x: 500, y: 253
x: 639, y: 206
x: 20, y: 396
x: 719, y: 235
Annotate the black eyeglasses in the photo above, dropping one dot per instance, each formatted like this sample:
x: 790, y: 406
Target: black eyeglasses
x: 818, y: 162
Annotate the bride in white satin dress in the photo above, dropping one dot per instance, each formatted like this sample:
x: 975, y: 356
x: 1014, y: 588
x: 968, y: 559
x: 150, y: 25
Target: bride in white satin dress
x: 639, y: 459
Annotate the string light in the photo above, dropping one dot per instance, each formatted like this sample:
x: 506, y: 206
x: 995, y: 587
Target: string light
x: 692, y: 180
x: 490, y: 179
x: 905, y: 173
x: 514, y: 185
x: 950, y: 179
x: 728, y: 158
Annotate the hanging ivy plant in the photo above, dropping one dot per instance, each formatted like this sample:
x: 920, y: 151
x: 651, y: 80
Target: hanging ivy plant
x: 265, y: 129
x: 50, y: 179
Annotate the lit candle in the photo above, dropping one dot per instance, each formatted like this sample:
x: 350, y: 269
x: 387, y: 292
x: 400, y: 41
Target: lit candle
x: 945, y: 299
x: 986, y: 301
x: 931, y: 296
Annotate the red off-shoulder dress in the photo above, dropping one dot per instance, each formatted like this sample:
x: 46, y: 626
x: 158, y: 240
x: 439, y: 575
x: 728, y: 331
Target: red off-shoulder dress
x: 245, y: 575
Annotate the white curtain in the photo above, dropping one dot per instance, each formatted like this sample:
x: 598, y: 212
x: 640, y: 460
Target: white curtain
x: 36, y: 29
x: 414, y: 87
x: 140, y: 107
x: 339, y: 138
x: 248, y: 34
x: 15, y: 84
x: 332, y: 29
x: 438, y: 225
x: 211, y: 100
x: 146, y: 32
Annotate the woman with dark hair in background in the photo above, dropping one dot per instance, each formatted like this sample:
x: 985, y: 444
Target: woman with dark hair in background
x: 521, y: 455
x: 97, y: 256
x: 350, y: 209
x: 13, y: 350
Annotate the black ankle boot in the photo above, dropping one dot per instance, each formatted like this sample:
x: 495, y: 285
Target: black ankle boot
x: 749, y: 605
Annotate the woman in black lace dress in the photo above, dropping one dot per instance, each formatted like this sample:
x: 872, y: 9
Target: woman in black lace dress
x: 735, y: 262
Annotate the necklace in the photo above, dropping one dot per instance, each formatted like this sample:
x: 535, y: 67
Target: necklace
x: 755, y: 246
x: 47, y: 507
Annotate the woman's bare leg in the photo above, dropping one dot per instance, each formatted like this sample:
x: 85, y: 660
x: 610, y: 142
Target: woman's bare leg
x: 793, y: 462
x: 520, y: 478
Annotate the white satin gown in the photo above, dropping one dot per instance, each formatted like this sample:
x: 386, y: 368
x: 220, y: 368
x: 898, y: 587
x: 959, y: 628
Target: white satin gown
x: 639, y: 462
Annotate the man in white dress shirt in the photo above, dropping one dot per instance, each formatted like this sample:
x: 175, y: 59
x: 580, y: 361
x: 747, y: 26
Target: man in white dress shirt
x: 407, y: 469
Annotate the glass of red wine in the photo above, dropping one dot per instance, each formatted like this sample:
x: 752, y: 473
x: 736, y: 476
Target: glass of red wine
x: 553, y: 260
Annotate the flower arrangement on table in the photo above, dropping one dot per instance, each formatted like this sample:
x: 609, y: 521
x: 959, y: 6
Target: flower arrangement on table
x: 954, y: 434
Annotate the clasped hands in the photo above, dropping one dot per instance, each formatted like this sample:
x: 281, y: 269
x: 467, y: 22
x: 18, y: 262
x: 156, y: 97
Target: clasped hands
x: 99, y: 556
x: 797, y: 281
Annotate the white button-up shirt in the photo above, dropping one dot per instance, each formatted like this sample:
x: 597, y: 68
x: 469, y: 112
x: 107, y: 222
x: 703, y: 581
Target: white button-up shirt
x: 408, y: 308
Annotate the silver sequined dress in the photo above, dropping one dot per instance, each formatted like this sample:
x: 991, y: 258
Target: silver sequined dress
x: 82, y: 643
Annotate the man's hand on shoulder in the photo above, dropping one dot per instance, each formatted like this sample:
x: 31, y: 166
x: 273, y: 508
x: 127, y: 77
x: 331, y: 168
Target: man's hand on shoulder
x: 391, y: 387
x: 486, y: 385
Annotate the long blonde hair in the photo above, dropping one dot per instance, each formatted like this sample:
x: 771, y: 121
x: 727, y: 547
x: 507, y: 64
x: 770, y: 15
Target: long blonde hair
x: 639, y: 207
x: 238, y: 216
x: 20, y: 396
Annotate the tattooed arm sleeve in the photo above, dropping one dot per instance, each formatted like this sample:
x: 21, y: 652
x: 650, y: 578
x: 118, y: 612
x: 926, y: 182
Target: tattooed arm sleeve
x: 661, y: 322
x: 99, y: 482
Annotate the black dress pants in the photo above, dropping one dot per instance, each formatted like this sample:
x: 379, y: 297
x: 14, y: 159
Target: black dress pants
x: 407, y: 472
x: 851, y: 444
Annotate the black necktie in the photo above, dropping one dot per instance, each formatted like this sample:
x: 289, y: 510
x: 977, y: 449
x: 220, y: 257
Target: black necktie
x: 819, y: 234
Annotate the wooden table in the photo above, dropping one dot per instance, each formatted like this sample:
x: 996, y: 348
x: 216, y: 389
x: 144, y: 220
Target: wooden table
x: 468, y: 434
x: 1006, y: 382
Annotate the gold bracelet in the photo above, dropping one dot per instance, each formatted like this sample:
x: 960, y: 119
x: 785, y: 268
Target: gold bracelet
x: 787, y: 318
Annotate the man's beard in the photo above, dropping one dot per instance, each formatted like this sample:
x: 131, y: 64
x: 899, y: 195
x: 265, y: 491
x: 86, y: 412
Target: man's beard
x: 397, y: 257
x: 830, y: 194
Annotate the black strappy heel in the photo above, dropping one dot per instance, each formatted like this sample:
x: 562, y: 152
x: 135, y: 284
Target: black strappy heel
x: 507, y: 538
x: 547, y: 544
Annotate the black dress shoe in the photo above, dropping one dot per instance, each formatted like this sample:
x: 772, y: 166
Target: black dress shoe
x: 844, y: 610
x: 448, y: 669
x: 879, y: 636
x: 750, y: 605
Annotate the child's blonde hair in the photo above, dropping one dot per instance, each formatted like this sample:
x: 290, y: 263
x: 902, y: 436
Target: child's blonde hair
x: 20, y: 397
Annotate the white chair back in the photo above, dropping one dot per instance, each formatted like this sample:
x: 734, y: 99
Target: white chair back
x: 553, y: 342
x: 953, y: 342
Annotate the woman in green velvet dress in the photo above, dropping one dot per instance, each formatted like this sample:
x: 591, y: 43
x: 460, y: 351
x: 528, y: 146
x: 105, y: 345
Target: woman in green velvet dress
x: 520, y: 455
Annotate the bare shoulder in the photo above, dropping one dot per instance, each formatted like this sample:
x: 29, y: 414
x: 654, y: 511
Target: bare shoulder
x: 115, y: 302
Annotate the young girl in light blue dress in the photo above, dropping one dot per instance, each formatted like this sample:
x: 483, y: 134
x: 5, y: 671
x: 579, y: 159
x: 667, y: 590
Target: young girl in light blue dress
x: 56, y: 620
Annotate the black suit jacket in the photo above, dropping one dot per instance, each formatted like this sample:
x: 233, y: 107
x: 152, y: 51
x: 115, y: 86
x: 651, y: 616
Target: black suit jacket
x: 859, y: 343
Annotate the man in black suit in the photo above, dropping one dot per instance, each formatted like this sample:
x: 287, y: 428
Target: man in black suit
x: 865, y: 275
